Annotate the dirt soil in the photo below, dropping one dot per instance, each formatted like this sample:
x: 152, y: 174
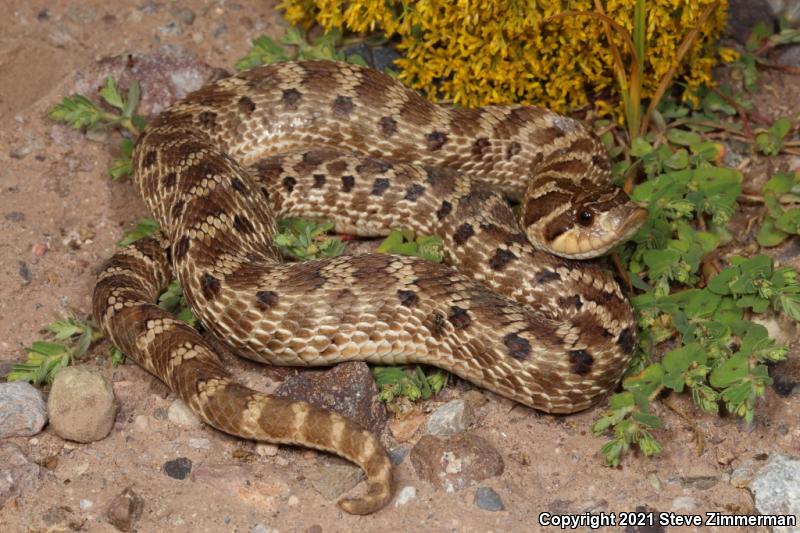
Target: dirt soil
x: 61, y: 215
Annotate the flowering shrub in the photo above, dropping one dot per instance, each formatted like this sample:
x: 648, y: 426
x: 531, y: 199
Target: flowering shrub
x: 477, y: 52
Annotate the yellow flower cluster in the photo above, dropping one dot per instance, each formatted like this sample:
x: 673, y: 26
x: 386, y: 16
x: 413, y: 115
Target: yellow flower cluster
x: 477, y: 52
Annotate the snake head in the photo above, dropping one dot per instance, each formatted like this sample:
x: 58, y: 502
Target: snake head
x: 588, y: 226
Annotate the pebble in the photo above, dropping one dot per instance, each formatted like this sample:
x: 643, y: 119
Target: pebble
x: 125, y: 509
x: 383, y: 57
x: 267, y: 450
x: 81, y: 405
x: 487, y: 499
x: 23, y: 412
x: 332, y: 480
x: 405, y: 495
x: 261, y: 528
x: 398, y: 455
x: 449, y: 419
x: 456, y: 462
x: 85, y: 504
x: 293, y: 500
x: 178, y: 468
x: 180, y: 415
x: 199, y: 444
x: 684, y: 503
x: 186, y: 16
x: 776, y: 489
x: 19, y: 475
x: 24, y: 272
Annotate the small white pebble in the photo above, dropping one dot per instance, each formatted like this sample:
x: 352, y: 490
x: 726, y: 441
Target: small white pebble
x: 85, y: 504
x: 405, y: 495
x: 199, y: 444
x: 293, y: 500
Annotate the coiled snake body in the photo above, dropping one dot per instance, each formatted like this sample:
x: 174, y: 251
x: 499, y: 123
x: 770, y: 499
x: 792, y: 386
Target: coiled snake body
x: 348, y: 144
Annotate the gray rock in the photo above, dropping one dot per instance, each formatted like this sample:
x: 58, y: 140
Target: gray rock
x: 186, y: 16
x: 23, y: 412
x: 487, y: 499
x: 398, y: 455
x: 125, y: 509
x: 333, y: 480
x: 744, y: 14
x: 384, y: 57
x: 696, y: 482
x: 405, y: 495
x: 450, y: 418
x: 180, y: 415
x: 348, y: 389
x: 18, y: 475
x: 457, y: 462
x: 178, y: 468
x: 199, y: 444
x: 776, y: 488
x: 81, y: 405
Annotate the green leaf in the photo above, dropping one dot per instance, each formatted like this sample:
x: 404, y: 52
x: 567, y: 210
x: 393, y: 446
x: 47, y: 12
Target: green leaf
x: 683, y: 137
x: 729, y: 372
x: 640, y: 147
x: 110, y: 93
x: 144, y: 228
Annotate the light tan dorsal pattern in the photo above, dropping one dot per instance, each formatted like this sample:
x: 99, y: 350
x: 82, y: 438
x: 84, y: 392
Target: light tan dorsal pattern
x: 348, y: 144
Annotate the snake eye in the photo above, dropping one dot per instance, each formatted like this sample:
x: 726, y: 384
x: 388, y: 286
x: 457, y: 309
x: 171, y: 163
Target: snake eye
x: 585, y: 217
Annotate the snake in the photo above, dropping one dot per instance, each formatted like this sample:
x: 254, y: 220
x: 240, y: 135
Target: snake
x: 515, y: 309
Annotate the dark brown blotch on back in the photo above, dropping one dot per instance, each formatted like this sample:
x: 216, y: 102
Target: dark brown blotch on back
x: 463, y: 233
x: 319, y: 181
x: 290, y: 98
x: 388, y: 126
x: 288, y: 183
x: 570, y: 301
x: 480, y: 146
x: 408, y: 298
x: 379, y: 186
x: 210, y: 286
x: 546, y: 276
x: 182, y: 248
x: 348, y: 182
x: 501, y: 258
x: 238, y: 185
x: 207, y: 119
x: 246, y: 105
x: 435, y: 140
x: 169, y: 179
x: 444, y: 209
x: 626, y: 340
x: 601, y: 162
x: 242, y: 224
x: 371, y: 165
x: 177, y: 209
x: 518, y: 347
x: 581, y: 361
x: 513, y: 149
x: 266, y: 300
x: 149, y: 159
x: 343, y: 106
x: 459, y: 317
x: 414, y: 191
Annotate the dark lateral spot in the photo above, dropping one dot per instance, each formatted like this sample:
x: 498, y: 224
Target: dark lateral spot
x: 600, y: 162
x: 265, y: 192
x: 459, y: 317
x: 149, y: 159
x: 182, y: 248
x: 463, y: 233
x: 238, y: 185
x: 437, y: 324
x: 177, y: 209
x: 626, y: 340
x: 388, y: 126
x: 343, y: 105
x: 571, y: 301
x: 347, y: 183
x: 246, y: 105
x: 209, y: 285
x: 379, y: 186
x: 289, y: 182
x: 408, y: 298
x: 242, y: 224
x: 581, y: 361
x: 444, y: 210
x: 435, y: 140
x: 480, y: 146
x: 208, y: 119
x: 319, y: 181
x: 513, y: 149
x: 518, y: 347
x: 547, y: 275
x: 414, y: 192
x: 169, y: 179
x: 266, y: 300
x: 501, y: 258
x: 290, y: 98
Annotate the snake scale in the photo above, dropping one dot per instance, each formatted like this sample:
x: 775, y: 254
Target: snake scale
x: 349, y: 144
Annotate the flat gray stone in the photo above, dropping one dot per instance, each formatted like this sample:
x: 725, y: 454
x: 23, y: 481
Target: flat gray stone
x: 23, y: 412
x: 487, y: 499
x: 18, y: 475
x: 776, y: 488
x: 457, y: 462
x: 333, y: 480
x: 451, y: 418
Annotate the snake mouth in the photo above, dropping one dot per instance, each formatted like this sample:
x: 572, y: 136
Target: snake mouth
x: 613, y: 228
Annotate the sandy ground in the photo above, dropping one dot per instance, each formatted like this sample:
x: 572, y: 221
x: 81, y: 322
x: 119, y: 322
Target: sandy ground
x: 60, y: 217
